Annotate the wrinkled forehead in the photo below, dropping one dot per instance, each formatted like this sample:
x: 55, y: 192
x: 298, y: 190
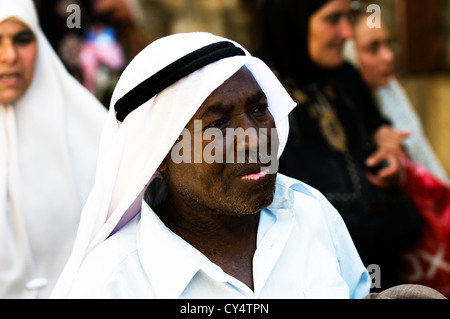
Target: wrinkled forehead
x: 242, y: 82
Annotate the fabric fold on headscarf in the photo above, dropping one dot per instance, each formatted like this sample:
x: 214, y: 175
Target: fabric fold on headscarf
x: 48, y: 150
x: 132, y: 150
x: 13, y: 232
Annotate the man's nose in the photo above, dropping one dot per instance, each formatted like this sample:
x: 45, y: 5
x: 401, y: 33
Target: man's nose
x: 247, y: 134
x: 8, y: 53
x: 242, y: 141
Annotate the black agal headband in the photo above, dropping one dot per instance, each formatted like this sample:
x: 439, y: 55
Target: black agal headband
x: 175, y: 71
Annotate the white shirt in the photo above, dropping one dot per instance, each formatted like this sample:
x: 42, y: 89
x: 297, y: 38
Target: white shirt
x: 303, y: 251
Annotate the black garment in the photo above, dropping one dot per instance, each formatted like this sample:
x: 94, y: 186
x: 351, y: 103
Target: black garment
x: 330, y: 138
x: 283, y: 27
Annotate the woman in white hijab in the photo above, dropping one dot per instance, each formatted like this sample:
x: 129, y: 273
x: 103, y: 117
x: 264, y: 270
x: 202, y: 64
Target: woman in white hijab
x: 369, y: 51
x: 49, y: 132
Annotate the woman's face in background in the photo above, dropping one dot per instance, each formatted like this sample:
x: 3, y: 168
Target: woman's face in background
x: 376, y: 59
x: 18, y: 52
x: 329, y: 28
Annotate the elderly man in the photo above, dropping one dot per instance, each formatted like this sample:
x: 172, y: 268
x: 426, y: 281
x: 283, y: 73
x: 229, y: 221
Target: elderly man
x: 161, y: 224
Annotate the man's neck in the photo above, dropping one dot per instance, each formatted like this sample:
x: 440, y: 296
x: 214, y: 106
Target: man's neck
x: 228, y: 241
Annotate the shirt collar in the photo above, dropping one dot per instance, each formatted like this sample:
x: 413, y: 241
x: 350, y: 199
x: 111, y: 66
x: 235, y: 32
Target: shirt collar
x: 168, y: 273
x: 284, y: 193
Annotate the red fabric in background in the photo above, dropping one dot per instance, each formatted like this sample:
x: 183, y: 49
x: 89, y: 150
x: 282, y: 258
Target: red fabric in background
x: 428, y: 261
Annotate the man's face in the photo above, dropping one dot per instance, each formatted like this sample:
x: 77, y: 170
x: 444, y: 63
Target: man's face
x: 226, y: 187
x: 329, y: 28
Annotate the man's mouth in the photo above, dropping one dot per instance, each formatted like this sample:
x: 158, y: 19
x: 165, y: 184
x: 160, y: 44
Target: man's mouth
x: 251, y: 172
x: 256, y: 176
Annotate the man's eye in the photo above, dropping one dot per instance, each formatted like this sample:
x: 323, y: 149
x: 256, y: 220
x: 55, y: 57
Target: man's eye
x: 217, y: 124
x: 260, y: 110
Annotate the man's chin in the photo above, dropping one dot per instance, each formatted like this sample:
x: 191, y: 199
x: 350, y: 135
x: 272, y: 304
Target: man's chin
x: 258, y: 194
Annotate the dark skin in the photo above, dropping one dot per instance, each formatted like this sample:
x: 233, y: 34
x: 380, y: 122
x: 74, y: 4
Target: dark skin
x: 214, y: 207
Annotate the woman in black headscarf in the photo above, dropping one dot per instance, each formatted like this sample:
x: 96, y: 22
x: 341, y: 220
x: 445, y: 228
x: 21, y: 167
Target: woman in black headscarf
x: 339, y: 142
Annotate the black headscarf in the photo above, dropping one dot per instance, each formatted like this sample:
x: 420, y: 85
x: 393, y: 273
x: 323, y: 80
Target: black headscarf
x: 284, y: 26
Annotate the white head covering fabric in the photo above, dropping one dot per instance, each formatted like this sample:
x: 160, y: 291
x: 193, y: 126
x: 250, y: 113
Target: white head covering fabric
x: 394, y: 104
x: 131, y: 151
x: 48, y: 150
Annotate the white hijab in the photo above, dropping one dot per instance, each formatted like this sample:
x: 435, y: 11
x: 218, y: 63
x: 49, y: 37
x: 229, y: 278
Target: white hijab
x: 394, y: 104
x: 131, y: 151
x: 48, y: 151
